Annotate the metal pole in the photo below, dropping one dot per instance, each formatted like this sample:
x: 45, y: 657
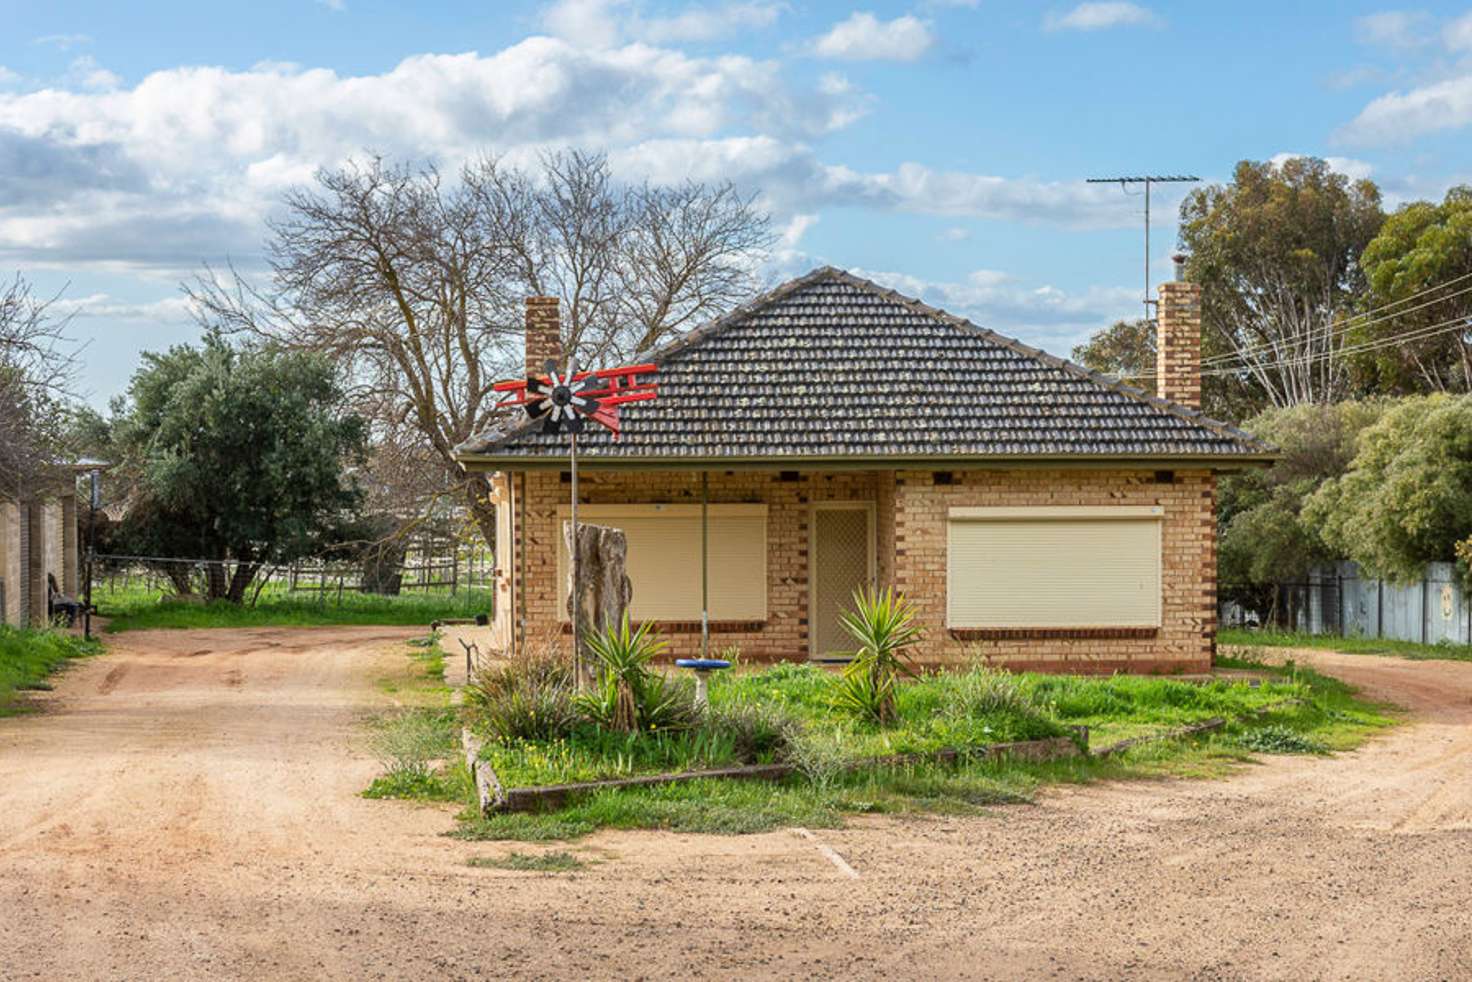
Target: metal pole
x: 576, y: 607
x: 92, y: 498
x: 704, y: 564
x: 1147, y: 254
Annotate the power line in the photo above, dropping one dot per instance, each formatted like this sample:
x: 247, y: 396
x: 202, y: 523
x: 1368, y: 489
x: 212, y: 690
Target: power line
x: 1357, y: 320
x: 1147, y: 180
x: 1460, y: 323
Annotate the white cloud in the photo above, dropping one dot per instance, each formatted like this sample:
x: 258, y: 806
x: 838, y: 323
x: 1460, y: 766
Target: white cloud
x: 708, y: 23
x: 1398, y: 117
x: 1351, y: 168
x: 864, y: 37
x: 1399, y: 30
x: 1457, y: 35
x: 62, y: 41
x: 183, y: 165
x: 608, y: 23
x: 587, y: 23
x: 88, y: 74
x: 171, y: 310
x: 955, y: 233
x: 1097, y: 16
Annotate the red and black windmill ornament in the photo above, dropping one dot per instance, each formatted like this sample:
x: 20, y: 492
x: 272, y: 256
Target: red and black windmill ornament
x: 564, y: 401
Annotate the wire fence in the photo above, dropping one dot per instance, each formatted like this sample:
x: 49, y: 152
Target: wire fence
x: 467, y: 574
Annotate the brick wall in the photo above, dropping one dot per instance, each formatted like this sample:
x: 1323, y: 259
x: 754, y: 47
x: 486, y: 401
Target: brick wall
x: 1178, y: 345
x: 785, y: 633
x: 543, y: 333
x: 1188, y: 610
x: 910, y: 534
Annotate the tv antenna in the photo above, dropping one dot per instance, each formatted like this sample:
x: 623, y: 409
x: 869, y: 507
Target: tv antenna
x: 1147, y: 180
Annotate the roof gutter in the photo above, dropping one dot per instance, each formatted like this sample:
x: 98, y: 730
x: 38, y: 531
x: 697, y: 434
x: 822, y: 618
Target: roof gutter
x: 1222, y: 462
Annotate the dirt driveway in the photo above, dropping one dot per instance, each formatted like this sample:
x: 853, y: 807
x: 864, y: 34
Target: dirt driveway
x: 187, y: 809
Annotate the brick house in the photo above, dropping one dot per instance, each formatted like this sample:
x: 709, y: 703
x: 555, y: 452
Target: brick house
x: 1035, y: 513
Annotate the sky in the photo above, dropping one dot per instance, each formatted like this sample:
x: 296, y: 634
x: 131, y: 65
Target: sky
x: 938, y: 146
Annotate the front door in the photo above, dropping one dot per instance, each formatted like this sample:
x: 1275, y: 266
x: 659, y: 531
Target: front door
x: 840, y: 561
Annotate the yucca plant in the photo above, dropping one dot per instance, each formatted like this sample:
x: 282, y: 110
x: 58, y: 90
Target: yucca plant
x: 883, y: 625
x: 627, y: 695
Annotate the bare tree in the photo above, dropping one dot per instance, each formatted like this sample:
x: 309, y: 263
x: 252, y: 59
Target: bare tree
x: 36, y: 364
x: 414, y: 283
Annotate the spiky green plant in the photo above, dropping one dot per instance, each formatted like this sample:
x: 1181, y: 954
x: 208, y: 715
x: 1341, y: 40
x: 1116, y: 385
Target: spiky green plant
x: 627, y: 696
x: 883, y: 625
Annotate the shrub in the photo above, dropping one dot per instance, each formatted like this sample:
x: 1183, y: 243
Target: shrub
x: 757, y: 733
x: 883, y: 625
x: 529, y: 697
x: 627, y: 695
x: 821, y: 756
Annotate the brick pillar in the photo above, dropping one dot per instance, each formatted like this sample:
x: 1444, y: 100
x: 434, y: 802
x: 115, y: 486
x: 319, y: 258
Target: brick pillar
x: 71, y: 558
x: 12, y: 562
x: 543, y: 333
x: 1178, y: 344
x: 34, y: 575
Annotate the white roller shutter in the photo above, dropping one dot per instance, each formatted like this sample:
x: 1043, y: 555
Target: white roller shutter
x: 664, y: 559
x: 1054, y: 567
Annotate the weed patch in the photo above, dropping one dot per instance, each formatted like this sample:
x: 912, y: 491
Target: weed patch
x: 1276, y: 739
x: 547, y: 862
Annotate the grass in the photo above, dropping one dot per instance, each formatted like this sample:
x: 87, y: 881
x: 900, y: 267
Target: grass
x: 418, y: 743
x: 28, y: 657
x: 1294, y: 710
x: 560, y: 861
x: 138, y: 608
x: 1348, y: 645
x: 958, y: 709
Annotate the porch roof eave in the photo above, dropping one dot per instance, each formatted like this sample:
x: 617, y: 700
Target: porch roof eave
x: 483, y: 463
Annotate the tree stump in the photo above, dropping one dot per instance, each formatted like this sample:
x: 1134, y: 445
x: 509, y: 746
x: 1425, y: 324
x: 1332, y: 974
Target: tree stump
x: 606, y: 590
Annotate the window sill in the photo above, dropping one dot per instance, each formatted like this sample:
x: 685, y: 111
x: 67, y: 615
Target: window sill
x: 1051, y: 633
x: 693, y: 627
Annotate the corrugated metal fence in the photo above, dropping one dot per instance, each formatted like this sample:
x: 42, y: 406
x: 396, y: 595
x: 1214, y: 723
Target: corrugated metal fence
x: 1338, y: 599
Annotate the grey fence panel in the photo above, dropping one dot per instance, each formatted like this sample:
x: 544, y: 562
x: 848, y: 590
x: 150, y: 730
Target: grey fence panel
x: 1434, y: 610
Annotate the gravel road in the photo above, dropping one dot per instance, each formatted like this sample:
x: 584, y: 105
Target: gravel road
x: 187, y: 808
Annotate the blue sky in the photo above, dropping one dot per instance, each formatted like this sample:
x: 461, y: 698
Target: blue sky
x: 939, y: 146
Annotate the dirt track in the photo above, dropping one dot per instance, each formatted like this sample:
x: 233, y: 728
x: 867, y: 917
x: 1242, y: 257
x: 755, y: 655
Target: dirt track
x: 187, y: 809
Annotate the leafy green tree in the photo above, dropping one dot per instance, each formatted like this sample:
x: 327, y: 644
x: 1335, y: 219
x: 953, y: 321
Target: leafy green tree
x: 1276, y: 252
x: 1264, y: 539
x: 1421, y: 246
x: 238, y: 454
x: 1125, y: 349
x: 1407, y: 498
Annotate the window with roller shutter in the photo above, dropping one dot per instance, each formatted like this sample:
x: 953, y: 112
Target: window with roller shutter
x: 1054, y: 567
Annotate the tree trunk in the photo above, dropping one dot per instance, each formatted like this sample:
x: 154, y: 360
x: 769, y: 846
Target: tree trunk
x: 606, y: 589
x: 478, y: 497
x: 180, y: 578
x: 240, y: 581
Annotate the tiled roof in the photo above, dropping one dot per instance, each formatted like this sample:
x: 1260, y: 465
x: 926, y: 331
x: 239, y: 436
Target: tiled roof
x: 834, y: 367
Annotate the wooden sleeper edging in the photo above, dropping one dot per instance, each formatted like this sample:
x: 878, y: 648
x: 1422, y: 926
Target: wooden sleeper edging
x: 553, y: 796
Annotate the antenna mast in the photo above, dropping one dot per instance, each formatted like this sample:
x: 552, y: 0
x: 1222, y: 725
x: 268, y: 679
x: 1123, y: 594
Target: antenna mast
x: 1147, y: 180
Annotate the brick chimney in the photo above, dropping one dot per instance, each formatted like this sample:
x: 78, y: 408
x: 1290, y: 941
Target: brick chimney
x: 1178, y: 340
x: 543, y: 333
